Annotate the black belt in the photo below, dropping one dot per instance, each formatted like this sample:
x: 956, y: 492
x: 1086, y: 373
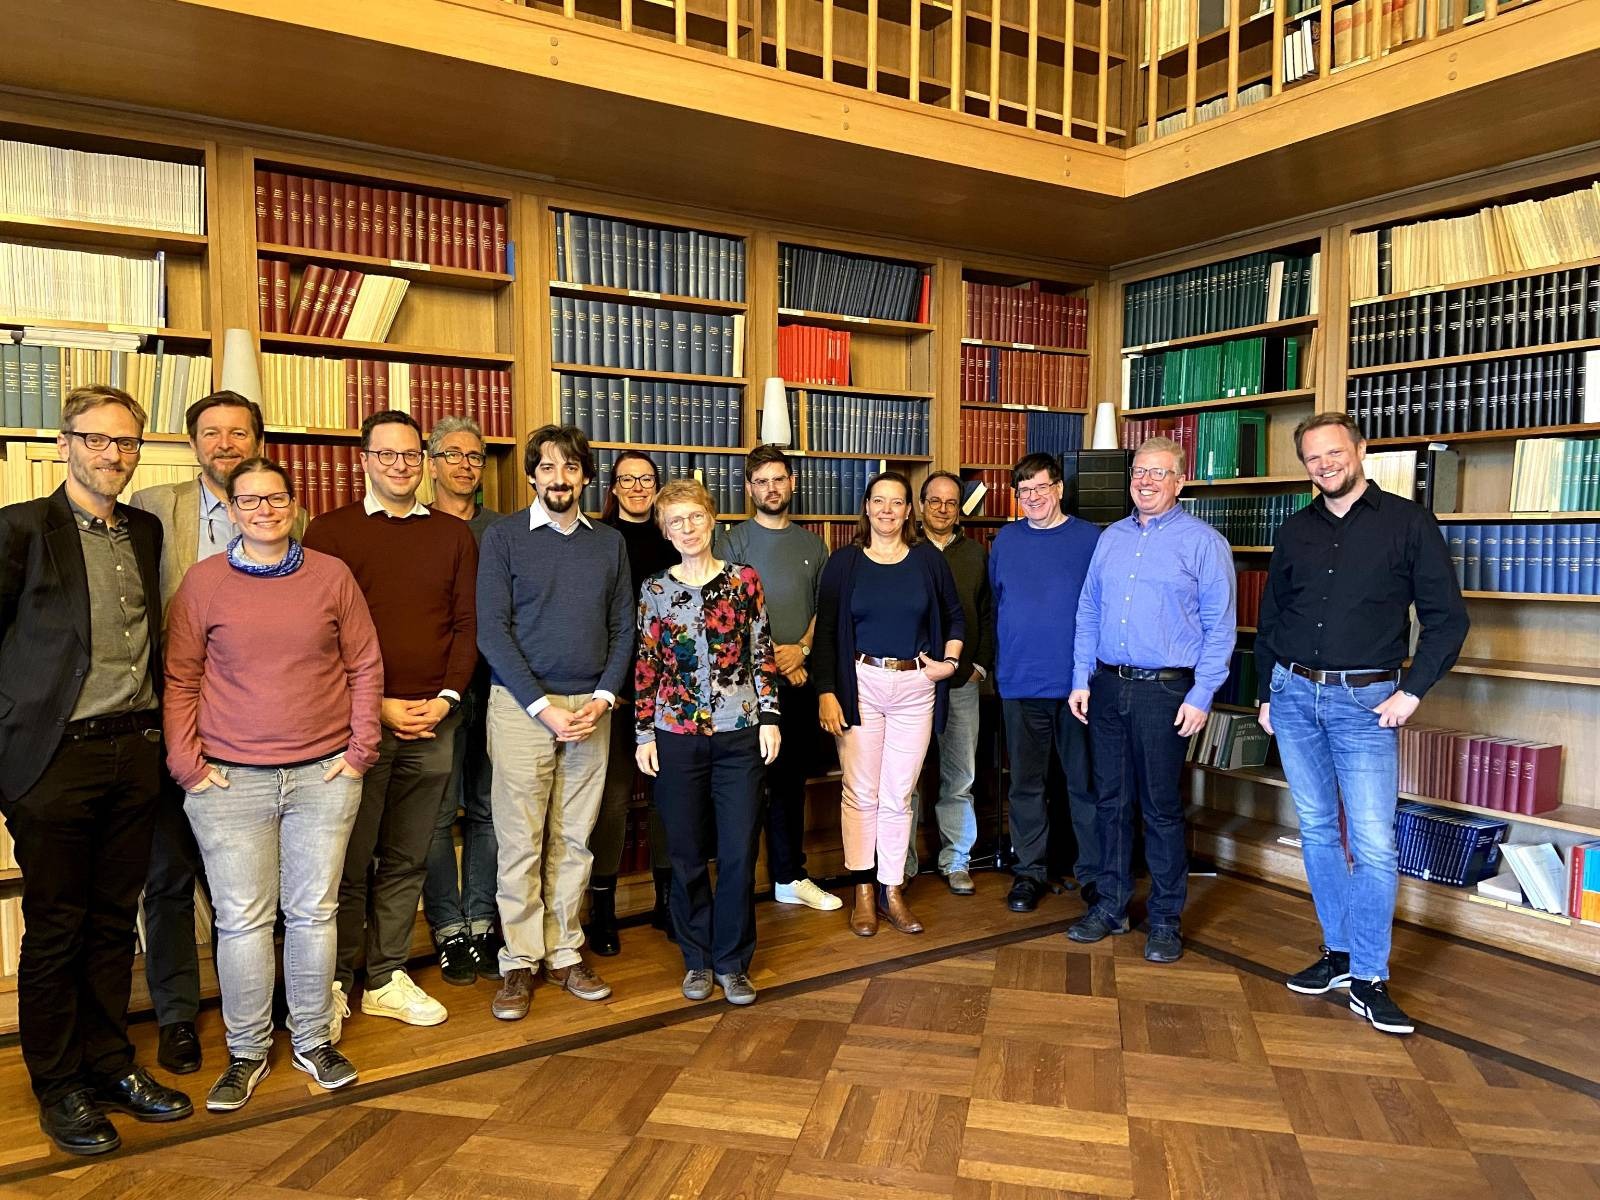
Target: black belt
x: 99, y: 727
x: 1345, y: 678
x: 288, y: 766
x: 1148, y: 673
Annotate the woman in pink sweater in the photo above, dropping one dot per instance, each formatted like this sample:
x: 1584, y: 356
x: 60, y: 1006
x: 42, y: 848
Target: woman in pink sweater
x: 273, y: 683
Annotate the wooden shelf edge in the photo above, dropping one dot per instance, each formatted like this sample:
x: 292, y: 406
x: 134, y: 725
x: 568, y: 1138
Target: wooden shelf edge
x: 94, y: 233
x: 1225, y: 335
x: 1423, y: 364
x: 664, y: 299
x: 416, y: 272
x: 591, y: 369
x: 1487, y: 435
x: 669, y: 448
x: 1027, y: 346
x: 1250, y: 481
x: 1539, y: 672
x: 1447, y: 518
x: 1485, y: 281
x: 383, y: 349
x: 855, y: 390
x: 1529, y: 596
x: 1156, y: 412
x: 842, y: 321
x: 863, y: 454
x: 151, y: 331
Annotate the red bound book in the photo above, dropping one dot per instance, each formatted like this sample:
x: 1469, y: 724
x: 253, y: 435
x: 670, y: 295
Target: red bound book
x: 358, y: 478
x: 478, y: 251
x: 300, y: 318
x: 263, y: 207
x: 438, y: 395
x: 341, y: 475
x: 408, y: 224
x: 435, y: 222
x: 352, y: 218
x: 264, y: 293
x: 508, y: 426
x: 321, y: 201
x: 280, y: 296
x: 470, y: 402
x: 294, y: 229
x: 457, y: 402
x: 325, y: 309
x: 352, y: 393
x: 419, y: 237
x: 416, y: 388
x: 925, y: 298
x: 1461, y: 783
x: 1541, y: 779
x: 338, y: 242
x: 389, y: 232
x: 378, y: 235
x: 381, y: 399
x: 1516, y: 754
x: 277, y: 208
x: 364, y: 201
x: 322, y: 474
x: 497, y: 214
x: 458, y: 233
x: 339, y: 318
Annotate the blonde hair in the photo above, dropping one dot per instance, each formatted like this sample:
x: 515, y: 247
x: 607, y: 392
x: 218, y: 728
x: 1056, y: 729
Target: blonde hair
x: 1164, y: 445
x: 683, y: 491
x: 95, y: 395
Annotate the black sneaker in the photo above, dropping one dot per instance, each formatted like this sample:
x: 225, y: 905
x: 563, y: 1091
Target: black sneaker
x: 1095, y: 927
x: 1372, y: 1001
x: 456, y: 963
x: 1330, y: 971
x: 1163, y: 945
x: 486, y: 955
x: 326, y: 1065
x: 235, y: 1086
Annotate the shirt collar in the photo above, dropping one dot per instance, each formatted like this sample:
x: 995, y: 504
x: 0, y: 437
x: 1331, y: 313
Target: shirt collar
x: 87, y: 520
x: 1160, y: 522
x: 372, y: 506
x: 209, y: 504
x: 1371, y: 496
x: 538, y: 518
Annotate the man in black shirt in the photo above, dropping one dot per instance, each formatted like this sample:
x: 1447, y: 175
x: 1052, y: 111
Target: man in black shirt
x: 1333, y: 633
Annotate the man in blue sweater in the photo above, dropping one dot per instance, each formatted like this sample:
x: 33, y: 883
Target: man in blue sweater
x: 555, y: 623
x: 1036, y: 570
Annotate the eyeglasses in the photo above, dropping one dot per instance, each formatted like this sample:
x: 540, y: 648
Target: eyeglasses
x: 935, y: 502
x: 273, y: 499
x: 636, y: 481
x: 688, y: 521
x: 412, y: 458
x: 1030, y: 491
x: 1156, y: 473
x: 99, y: 441
x: 454, y: 457
x: 771, y: 481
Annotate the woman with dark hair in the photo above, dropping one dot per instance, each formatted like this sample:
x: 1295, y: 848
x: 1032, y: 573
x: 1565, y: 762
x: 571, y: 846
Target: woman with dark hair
x: 629, y: 509
x: 270, y: 748
x: 886, y: 606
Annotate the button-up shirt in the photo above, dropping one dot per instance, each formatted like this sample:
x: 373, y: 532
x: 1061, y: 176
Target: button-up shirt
x: 1340, y: 589
x: 372, y: 506
x: 119, y: 634
x: 216, y: 526
x: 1160, y: 593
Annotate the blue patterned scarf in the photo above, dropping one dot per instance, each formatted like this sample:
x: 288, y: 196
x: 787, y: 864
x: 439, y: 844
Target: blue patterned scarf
x: 288, y: 565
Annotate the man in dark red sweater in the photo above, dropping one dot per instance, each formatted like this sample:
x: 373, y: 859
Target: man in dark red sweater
x: 418, y: 571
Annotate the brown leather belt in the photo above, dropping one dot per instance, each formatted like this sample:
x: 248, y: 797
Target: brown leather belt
x: 1345, y: 678
x: 890, y: 664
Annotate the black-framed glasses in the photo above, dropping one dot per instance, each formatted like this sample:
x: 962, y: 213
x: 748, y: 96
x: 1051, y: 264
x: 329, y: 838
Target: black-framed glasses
x: 273, y: 499
x: 1028, y: 491
x: 1156, y: 473
x: 636, y: 481
x: 412, y: 458
x: 99, y: 441
x: 454, y: 457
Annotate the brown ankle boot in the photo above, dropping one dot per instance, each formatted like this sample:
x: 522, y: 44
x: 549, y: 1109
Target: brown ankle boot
x: 898, y: 911
x: 864, y: 917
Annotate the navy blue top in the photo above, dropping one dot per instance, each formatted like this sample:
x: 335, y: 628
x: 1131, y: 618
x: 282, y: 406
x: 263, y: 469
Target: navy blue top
x: 890, y: 608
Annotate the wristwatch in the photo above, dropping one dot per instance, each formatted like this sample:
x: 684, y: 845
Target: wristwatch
x: 805, y: 650
x: 454, y: 704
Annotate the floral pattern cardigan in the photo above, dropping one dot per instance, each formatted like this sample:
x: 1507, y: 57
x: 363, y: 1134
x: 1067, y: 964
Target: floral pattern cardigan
x: 706, y: 663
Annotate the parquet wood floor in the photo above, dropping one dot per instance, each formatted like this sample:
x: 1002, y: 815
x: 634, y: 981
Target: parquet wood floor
x: 994, y: 1060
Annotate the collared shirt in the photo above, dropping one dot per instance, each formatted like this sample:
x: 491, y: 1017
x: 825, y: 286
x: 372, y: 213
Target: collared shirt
x: 216, y: 526
x: 119, y: 634
x: 1160, y: 593
x: 539, y: 518
x: 372, y: 506
x: 1340, y: 589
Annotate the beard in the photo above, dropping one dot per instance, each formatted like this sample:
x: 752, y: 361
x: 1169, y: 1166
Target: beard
x: 559, y: 502
x: 218, y: 469
x: 107, y: 483
x: 1351, y: 480
x: 774, y: 506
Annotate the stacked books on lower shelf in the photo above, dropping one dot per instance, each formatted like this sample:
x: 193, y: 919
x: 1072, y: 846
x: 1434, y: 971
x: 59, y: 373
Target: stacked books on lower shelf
x: 1218, y: 445
x: 1536, y: 879
x: 327, y: 475
x: 338, y: 393
x: 1551, y: 558
x: 849, y: 424
x: 99, y: 286
x: 1027, y: 314
x: 832, y: 486
x: 1242, y: 367
x: 1526, y: 392
x: 1247, y: 520
x: 37, y: 374
x: 1230, y: 741
x: 992, y: 375
x: 615, y: 408
x: 331, y: 303
x: 1498, y: 773
x: 1005, y: 435
x: 722, y: 474
x: 1443, y: 846
x: 812, y: 354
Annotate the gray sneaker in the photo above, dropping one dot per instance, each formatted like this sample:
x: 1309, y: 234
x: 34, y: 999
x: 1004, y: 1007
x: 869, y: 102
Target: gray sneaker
x: 697, y: 985
x: 326, y: 1065
x: 234, y: 1086
x: 960, y: 883
x: 737, y: 988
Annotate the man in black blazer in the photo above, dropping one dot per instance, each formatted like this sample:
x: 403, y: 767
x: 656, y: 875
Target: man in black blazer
x: 80, y: 767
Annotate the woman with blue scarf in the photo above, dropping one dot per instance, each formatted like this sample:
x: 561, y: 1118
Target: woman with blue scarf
x: 273, y: 683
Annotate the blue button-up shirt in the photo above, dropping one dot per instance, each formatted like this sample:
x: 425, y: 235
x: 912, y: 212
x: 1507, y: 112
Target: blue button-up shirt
x: 216, y: 526
x: 1159, y: 594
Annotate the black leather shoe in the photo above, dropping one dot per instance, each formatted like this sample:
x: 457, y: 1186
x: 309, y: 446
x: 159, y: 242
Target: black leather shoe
x: 76, y: 1126
x: 1024, y: 894
x: 142, y: 1098
x: 601, y: 931
x: 180, y: 1048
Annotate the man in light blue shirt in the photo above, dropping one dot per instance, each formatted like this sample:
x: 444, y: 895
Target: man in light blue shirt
x: 1154, y: 637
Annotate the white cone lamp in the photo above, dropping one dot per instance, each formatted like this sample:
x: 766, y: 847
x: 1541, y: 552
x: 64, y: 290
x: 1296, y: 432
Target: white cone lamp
x: 240, y: 371
x: 1105, y: 426
x: 775, y: 428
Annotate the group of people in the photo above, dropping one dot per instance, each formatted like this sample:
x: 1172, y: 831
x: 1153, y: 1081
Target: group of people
x: 329, y: 697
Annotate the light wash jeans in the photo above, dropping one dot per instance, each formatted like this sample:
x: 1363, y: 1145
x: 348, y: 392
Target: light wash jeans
x: 275, y: 837
x: 958, y: 754
x: 1333, y: 749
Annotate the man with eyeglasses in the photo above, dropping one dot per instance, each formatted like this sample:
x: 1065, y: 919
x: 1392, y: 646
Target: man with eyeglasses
x: 225, y: 428
x: 958, y: 744
x: 418, y: 572
x: 1036, y: 569
x: 789, y: 559
x: 459, y: 902
x: 1154, y: 641
x: 556, y: 622
x: 80, y: 767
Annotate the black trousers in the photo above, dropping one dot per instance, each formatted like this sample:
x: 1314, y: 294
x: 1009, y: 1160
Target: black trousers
x: 82, y: 836
x: 1034, y: 730
x: 786, y: 782
x: 708, y: 791
x: 171, y: 959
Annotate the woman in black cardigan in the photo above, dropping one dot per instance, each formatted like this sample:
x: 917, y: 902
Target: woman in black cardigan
x: 887, y: 605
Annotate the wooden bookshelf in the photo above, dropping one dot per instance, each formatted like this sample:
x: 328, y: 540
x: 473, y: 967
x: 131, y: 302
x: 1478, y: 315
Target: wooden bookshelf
x: 1250, y: 481
x: 1263, y: 329
x: 416, y: 272
x: 852, y: 324
x: 1419, y: 364
x: 1485, y: 435
x: 1263, y: 400
x: 1531, y: 596
x: 1541, y: 672
x: 387, y: 350
x: 156, y: 331
x: 664, y: 376
x: 972, y: 341
x: 650, y: 299
x: 15, y: 227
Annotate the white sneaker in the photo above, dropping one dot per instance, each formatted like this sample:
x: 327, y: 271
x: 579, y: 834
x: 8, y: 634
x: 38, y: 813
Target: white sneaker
x: 805, y: 892
x: 341, y: 1010
x: 404, y: 1001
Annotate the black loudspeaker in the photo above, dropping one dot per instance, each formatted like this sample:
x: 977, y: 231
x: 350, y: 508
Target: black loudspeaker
x: 1099, y: 491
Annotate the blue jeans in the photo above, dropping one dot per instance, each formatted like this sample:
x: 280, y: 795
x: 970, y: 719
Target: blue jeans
x: 958, y: 753
x: 1333, y: 748
x: 274, y: 837
x: 463, y: 902
x: 1138, y: 755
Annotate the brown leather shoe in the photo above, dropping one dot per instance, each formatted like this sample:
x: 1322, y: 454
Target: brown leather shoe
x: 580, y: 979
x: 515, y: 995
x: 864, y: 917
x: 898, y: 911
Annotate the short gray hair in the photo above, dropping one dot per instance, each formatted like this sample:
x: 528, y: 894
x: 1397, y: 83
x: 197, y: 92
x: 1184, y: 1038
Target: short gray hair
x: 445, y: 426
x: 1163, y: 445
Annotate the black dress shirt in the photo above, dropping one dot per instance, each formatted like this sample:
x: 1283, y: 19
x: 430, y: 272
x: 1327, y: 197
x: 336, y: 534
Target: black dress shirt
x: 1339, y: 590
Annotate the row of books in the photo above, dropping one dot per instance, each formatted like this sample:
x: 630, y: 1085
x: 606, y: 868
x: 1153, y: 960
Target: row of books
x: 1026, y: 314
x: 614, y: 408
x: 1498, y: 239
x: 987, y: 492
x: 1552, y: 558
x: 1300, y: 50
x: 1216, y: 445
x: 1229, y: 741
x: 393, y: 223
x: 722, y: 474
x: 55, y: 182
x: 338, y: 393
x: 605, y: 252
x: 53, y: 283
x: 636, y: 337
x: 1241, y: 685
x: 1005, y: 435
x: 836, y: 534
x: 35, y: 379
x: 832, y: 486
x: 811, y: 354
x: 1247, y: 520
x: 879, y: 425
x: 332, y: 302
x: 1513, y: 314
x: 1442, y: 846
x: 1556, y: 475
x: 1583, y: 882
x: 991, y: 375
x: 327, y: 475
x: 1504, y: 774
x: 1243, y: 367
x: 851, y: 285
x: 1538, y: 880
x: 1430, y: 476
x: 1251, y: 585
x: 1205, y: 110
x: 1250, y: 290
x: 1506, y: 393
x: 1367, y: 28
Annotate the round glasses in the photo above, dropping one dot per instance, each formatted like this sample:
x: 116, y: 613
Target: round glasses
x: 692, y: 520
x: 412, y: 458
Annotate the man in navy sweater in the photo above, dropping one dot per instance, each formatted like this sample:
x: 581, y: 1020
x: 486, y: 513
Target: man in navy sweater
x: 555, y: 623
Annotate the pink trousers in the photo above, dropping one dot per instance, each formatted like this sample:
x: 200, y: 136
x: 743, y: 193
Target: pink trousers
x: 880, y: 759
